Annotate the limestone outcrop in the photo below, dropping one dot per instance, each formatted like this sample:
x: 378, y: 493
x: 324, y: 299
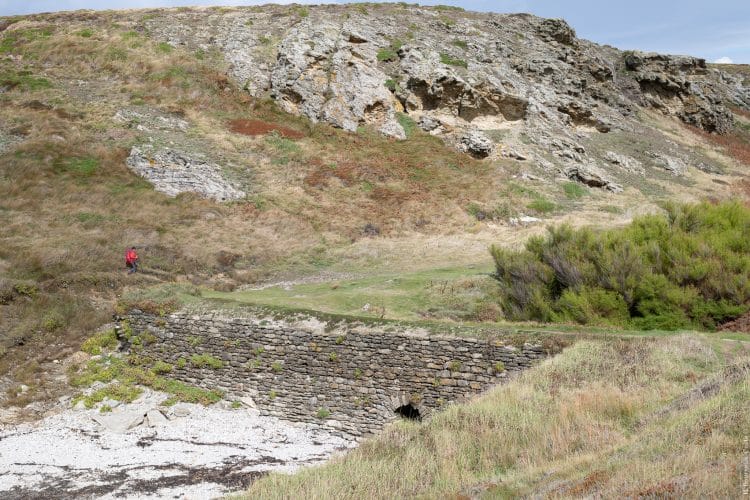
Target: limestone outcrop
x: 520, y: 82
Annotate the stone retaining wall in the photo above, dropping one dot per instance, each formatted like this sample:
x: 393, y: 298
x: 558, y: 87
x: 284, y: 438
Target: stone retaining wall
x: 354, y: 378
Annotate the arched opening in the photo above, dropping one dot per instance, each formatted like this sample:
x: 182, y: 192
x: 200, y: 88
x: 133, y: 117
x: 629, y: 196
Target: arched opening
x: 409, y: 411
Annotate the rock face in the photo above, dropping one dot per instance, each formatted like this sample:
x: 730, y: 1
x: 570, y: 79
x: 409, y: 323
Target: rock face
x: 678, y: 85
x: 459, y: 76
x: 172, y: 173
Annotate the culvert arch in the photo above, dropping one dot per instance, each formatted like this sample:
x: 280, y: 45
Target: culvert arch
x: 352, y: 378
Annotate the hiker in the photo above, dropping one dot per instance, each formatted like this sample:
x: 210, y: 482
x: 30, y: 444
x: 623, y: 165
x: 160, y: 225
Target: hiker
x: 131, y: 260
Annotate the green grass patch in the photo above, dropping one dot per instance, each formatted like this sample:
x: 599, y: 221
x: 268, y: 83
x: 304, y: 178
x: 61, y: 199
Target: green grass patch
x: 78, y: 167
x: 460, y: 43
x: 117, y: 392
x: 542, y: 205
x: 574, y: 191
x: 387, y: 54
x: 449, y: 60
x: 24, y: 81
x: 85, y: 33
x: 164, y: 48
x: 128, y: 373
x: 408, y: 124
x: 101, y: 342
x: 392, y: 85
x: 402, y: 296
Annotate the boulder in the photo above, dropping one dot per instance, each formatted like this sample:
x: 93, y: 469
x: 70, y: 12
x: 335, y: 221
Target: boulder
x: 592, y: 177
x: 173, y: 172
x: 155, y: 418
x: 476, y: 144
x: 120, y: 422
x: 625, y: 162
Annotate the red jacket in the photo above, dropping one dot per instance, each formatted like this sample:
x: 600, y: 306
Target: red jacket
x: 130, y: 256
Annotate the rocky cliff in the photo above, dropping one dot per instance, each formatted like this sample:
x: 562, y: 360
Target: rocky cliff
x: 511, y: 85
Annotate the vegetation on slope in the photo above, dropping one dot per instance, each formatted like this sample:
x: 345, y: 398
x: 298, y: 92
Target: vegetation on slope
x: 595, y: 420
x: 688, y: 268
x: 69, y: 205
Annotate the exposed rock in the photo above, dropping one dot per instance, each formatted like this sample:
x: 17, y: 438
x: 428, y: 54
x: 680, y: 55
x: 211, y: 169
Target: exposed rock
x: 529, y: 78
x: 511, y: 152
x: 673, y: 165
x: 627, y: 163
x: 120, y: 422
x: 155, y: 418
x: 523, y: 220
x: 591, y: 176
x: 180, y: 410
x: 371, y: 230
x: 558, y: 30
x: 172, y: 173
x: 679, y: 85
x: 145, y: 120
x: 428, y: 123
x: 335, y: 79
x: 8, y: 140
x: 476, y: 144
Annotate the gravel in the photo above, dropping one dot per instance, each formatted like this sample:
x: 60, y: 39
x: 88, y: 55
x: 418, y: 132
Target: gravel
x: 207, y: 452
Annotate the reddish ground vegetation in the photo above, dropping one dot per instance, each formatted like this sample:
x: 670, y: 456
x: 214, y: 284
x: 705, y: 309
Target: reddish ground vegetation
x: 735, y: 144
x: 259, y: 127
x: 741, y: 112
x: 741, y: 324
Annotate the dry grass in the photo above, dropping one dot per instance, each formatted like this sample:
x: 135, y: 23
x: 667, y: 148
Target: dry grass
x: 69, y: 206
x: 565, y: 429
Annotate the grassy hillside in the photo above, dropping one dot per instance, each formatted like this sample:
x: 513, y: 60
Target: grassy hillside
x: 603, y: 418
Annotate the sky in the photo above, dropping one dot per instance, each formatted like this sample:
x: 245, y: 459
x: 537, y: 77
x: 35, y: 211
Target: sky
x: 717, y: 30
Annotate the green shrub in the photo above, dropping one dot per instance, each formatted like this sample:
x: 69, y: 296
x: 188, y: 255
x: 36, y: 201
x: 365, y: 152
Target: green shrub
x: 106, y: 340
x: 86, y: 33
x: 161, y: 368
x: 390, y: 53
x: 574, y: 191
x: 206, y: 361
x: 392, y: 85
x: 460, y: 43
x: 542, y: 205
x: 452, y: 61
x: 685, y: 269
x: 323, y: 413
x: 387, y: 54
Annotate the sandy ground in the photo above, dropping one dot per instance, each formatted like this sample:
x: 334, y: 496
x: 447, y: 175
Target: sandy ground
x: 186, y: 451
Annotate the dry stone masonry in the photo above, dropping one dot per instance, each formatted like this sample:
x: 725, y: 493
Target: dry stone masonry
x: 353, y: 379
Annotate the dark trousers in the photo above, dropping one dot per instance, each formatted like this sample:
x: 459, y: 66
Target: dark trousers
x: 132, y: 267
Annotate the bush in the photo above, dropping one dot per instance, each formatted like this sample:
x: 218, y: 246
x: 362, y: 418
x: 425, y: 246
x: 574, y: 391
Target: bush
x: 99, y: 342
x: 688, y: 268
x: 206, y: 361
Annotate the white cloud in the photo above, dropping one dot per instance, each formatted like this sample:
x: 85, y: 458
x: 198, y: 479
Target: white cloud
x: 724, y: 60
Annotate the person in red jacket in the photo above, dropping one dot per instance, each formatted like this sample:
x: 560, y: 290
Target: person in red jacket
x: 131, y: 260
